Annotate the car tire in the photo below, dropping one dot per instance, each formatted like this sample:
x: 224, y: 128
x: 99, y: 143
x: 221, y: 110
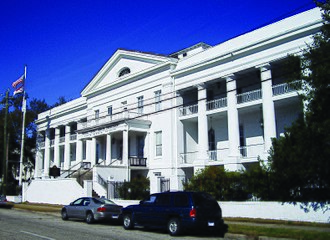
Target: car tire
x: 128, y: 222
x: 174, y: 227
x: 90, y: 218
x: 64, y: 215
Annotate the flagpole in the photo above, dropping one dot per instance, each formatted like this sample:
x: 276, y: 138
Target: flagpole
x: 23, y: 132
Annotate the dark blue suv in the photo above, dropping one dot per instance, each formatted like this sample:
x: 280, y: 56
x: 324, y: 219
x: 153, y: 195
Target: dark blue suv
x: 176, y: 211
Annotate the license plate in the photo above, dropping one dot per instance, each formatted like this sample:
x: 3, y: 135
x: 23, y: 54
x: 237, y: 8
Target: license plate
x: 210, y: 224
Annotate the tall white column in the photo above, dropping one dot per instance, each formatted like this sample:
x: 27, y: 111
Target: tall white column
x: 269, y: 123
x: 92, y: 156
x: 67, y: 148
x: 232, y: 163
x: 79, y: 157
x: 38, y: 163
x: 57, y: 159
x: 125, y: 153
x: 47, y: 153
x: 202, y: 129
x: 108, y: 149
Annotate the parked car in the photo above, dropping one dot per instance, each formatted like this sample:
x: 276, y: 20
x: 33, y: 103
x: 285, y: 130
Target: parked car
x: 4, y: 203
x: 177, y: 212
x: 92, y: 209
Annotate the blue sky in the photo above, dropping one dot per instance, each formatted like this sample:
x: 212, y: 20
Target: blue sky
x: 65, y: 43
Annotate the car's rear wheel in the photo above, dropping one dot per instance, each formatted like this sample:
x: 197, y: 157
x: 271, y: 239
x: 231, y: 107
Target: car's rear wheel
x: 128, y: 221
x: 90, y: 218
x: 174, y: 227
x: 64, y: 215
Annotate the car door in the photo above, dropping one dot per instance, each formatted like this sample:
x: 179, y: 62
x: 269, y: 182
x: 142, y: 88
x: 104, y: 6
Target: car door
x: 73, y: 209
x: 143, y: 211
x: 161, y: 211
x: 82, y: 208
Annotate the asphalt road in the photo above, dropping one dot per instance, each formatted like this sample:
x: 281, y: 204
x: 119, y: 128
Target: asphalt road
x: 19, y: 225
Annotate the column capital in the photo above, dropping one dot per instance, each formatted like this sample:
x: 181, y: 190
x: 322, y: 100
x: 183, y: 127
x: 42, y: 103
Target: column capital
x: 264, y: 67
x: 200, y: 86
x: 230, y: 77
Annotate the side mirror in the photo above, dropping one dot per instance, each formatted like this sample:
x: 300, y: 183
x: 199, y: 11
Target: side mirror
x: 71, y: 203
x: 141, y: 202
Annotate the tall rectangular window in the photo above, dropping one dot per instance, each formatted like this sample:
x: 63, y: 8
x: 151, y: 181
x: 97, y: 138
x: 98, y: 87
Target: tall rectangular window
x: 140, y: 104
x: 97, y: 114
x: 157, y: 100
x: 159, y: 145
x: 110, y: 112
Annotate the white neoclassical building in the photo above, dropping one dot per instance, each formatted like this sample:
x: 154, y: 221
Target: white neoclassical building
x: 167, y: 116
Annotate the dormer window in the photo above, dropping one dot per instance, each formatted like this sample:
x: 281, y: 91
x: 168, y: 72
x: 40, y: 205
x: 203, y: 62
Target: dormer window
x: 124, y: 71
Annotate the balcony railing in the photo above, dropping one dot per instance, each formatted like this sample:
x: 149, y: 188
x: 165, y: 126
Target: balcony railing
x: 216, y: 104
x: 188, y: 158
x: 137, y: 162
x: 218, y: 154
x: 188, y: 110
x: 251, y: 151
x: 283, y: 88
x: 249, y: 96
x: 73, y: 137
x: 108, y: 119
x: 62, y: 139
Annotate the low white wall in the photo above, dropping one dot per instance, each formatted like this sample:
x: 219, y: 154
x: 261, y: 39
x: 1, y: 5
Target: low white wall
x: 64, y: 191
x: 273, y: 210
x: 53, y: 191
x: 263, y: 210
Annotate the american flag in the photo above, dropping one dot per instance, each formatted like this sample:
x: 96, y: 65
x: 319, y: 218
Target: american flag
x: 18, y: 85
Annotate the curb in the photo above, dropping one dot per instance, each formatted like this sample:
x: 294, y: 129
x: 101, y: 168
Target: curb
x: 232, y: 236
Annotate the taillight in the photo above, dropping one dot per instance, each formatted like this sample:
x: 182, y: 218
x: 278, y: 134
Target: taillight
x: 192, y: 213
x: 101, y: 209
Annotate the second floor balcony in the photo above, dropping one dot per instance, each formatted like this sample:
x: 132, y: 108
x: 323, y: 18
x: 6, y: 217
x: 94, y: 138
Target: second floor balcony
x: 279, y: 89
x: 108, y: 119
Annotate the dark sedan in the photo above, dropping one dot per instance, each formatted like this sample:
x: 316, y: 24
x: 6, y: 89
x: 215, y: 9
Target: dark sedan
x: 92, y: 209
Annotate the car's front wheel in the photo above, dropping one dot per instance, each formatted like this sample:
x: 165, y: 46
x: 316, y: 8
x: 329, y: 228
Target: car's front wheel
x: 128, y: 221
x: 90, y: 217
x: 174, y: 227
x: 64, y: 215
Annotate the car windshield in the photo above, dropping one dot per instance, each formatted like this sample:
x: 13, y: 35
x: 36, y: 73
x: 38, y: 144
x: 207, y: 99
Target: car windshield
x: 102, y: 201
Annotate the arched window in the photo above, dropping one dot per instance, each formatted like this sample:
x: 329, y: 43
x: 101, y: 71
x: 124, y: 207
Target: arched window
x: 124, y: 71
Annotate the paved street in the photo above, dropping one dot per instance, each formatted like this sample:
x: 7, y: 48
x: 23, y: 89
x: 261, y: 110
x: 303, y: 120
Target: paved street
x: 19, y: 225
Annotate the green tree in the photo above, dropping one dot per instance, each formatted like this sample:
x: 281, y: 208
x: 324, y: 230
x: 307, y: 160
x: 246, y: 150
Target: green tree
x: 223, y: 185
x: 14, y: 131
x: 300, y: 159
x: 137, y: 189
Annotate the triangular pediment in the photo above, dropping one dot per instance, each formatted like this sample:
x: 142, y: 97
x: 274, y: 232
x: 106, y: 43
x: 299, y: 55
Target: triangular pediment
x: 121, y: 66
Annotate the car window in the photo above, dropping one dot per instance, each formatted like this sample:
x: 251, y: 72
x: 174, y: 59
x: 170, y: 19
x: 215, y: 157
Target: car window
x: 163, y: 200
x: 149, y: 200
x: 181, y: 200
x: 102, y: 201
x: 205, y: 200
x: 86, y: 202
x: 78, y: 202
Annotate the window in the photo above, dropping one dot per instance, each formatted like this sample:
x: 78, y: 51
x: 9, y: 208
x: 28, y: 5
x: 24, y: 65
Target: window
x: 110, y: 112
x: 158, y: 136
x: 163, y: 200
x: 157, y: 100
x: 140, y: 104
x: 181, y: 200
x: 97, y: 114
x: 124, y: 71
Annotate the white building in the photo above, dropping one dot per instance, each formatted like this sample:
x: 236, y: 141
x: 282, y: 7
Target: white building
x: 165, y: 117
